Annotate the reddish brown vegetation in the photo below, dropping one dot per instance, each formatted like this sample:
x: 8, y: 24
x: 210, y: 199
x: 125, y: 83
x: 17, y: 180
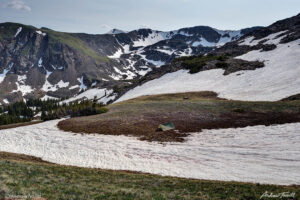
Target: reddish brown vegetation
x: 141, y: 117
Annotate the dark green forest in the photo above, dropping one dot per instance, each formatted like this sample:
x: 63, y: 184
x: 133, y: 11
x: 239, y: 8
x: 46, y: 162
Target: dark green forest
x: 47, y: 110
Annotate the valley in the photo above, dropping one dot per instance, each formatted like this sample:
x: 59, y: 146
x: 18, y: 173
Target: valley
x: 193, y: 113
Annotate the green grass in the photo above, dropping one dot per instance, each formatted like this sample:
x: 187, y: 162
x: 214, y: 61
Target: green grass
x: 201, y: 102
x: 190, y: 112
x: 196, y: 63
x: 62, y: 182
x: 74, y: 42
x: 8, y: 29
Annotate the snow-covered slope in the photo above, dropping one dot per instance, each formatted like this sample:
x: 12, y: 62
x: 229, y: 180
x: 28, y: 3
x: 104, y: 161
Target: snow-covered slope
x: 102, y: 95
x: 119, y: 60
x: 43, y: 69
x: 279, y: 78
x: 251, y: 154
x: 146, y: 43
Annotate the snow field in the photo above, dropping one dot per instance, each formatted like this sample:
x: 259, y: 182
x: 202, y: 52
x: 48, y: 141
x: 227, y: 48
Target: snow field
x: 278, y: 79
x: 253, y: 154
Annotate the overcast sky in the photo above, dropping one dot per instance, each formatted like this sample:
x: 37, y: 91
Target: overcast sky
x: 99, y: 16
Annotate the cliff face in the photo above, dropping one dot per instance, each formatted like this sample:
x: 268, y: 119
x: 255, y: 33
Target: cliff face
x: 38, y: 62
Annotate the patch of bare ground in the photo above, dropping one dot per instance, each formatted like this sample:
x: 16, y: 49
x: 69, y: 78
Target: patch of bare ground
x: 292, y: 98
x: 20, y: 157
x: 190, y: 112
x: 19, y: 124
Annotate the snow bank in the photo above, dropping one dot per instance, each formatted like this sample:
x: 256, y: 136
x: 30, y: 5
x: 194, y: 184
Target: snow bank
x: 49, y: 87
x: 117, y: 54
x: 82, y: 85
x: 101, y: 95
x: 278, y: 79
x: 22, y: 87
x: 270, y: 39
x: 253, y: 154
x: 5, y: 71
x: 6, y: 101
x: 152, y: 38
x: 18, y: 31
x: 46, y: 97
x: 40, y: 33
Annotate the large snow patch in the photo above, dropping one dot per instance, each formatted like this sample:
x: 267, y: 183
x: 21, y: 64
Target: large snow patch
x: 252, y: 154
x: 279, y: 78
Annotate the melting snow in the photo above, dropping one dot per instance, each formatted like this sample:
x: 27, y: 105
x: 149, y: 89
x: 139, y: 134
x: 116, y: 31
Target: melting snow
x: 41, y: 33
x: 144, y: 71
x: 6, y: 101
x: 129, y: 75
x: 278, y: 79
x: 73, y: 87
x: 185, y: 34
x: 270, y: 39
x: 203, y: 42
x: 116, y: 55
x: 21, y: 87
x: 82, y: 86
x: 18, y: 31
x: 166, y: 51
x: 152, y: 38
x: 40, y: 63
x: 115, y: 77
x: 94, y: 84
x: 49, y: 87
x: 253, y: 154
x: 186, y: 52
x: 101, y: 95
x: 5, y: 71
x: 233, y: 35
x: 46, y: 97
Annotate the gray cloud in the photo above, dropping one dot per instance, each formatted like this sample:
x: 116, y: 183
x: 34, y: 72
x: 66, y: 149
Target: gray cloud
x: 17, y: 5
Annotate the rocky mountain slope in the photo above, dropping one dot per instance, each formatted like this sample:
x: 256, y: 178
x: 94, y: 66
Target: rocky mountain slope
x: 263, y: 65
x: 42, y: 63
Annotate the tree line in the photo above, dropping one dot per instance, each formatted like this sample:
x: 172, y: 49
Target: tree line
x: 48, y: 109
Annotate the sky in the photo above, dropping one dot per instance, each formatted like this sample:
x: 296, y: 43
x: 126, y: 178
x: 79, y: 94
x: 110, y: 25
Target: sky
x: 100, y: 16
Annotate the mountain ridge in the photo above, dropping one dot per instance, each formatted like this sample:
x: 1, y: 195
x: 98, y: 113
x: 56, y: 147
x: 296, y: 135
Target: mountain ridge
x: 262, y: 65
x: 35, y: 63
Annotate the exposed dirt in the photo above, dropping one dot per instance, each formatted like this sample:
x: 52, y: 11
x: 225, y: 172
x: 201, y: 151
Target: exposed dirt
x: 20, y: 157
x: 19, y: 124
x: 292, y: 98
x: 188, y: 112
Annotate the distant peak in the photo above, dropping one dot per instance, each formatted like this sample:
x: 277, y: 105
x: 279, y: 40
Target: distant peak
x: 115, y: 31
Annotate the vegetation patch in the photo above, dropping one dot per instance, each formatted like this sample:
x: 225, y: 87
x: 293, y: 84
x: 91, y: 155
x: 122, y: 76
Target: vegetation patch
x: 8, y: 30
x: 74, y: 42
x: 73, y: 109
x: 16, y: 113
x: 196, y: 63
x: 190, y: 112
x: 9, y: 126
x: 25, y: 175
x: 24, y: 113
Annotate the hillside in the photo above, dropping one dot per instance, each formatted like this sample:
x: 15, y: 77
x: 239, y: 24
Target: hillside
x: 261, y: 66
x: 190, y: 112
x: 43, y: 63
x: 52, y: 181
x: 255, y: 153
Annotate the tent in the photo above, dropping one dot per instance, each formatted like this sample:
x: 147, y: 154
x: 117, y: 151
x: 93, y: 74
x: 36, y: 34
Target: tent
x: 166, y: 127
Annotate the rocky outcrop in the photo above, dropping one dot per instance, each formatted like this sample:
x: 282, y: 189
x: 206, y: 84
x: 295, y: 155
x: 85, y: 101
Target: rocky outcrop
x: 36, y: 62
